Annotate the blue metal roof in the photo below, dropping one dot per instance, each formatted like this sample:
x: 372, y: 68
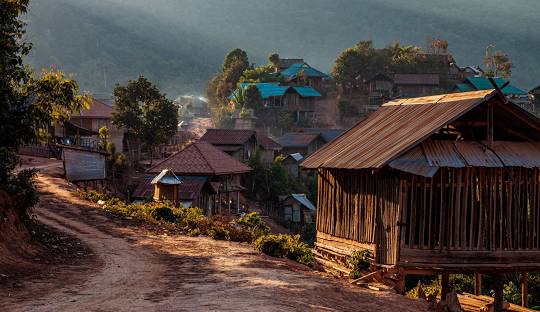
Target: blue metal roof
x: 307, y: 92
x: 301, y: 198
x: 267, y: 89
x: 273, y: 89
x: 294, y: 69
x: 166, y: 177
x: 463, y: 87
x: 483, y: 83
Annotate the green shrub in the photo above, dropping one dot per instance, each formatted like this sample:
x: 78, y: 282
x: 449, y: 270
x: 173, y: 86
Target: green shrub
x: 163, y: 213
x: 254, y: 224
x: 92, y: 195
x: 285, y: 246
x: 358, y: 261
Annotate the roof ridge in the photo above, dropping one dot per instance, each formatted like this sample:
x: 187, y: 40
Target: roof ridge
x: 204, y: 156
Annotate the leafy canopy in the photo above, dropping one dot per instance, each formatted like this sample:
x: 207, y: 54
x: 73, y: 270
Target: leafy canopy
x: 144, y: 112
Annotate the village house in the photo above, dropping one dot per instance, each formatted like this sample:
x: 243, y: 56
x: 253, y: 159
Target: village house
x: 295, y: 212
x: 304, y: 143
x: 514, y: 94
x: 299, y: 101
x: 82, y: 129
x: 243, y: 144
x: 301, y: 74
x: 291, y: 162
x: 212, y: 175
x: 413, y: 85
x: 535, y: 93
x: 285, y: 63
x: 434, y: 185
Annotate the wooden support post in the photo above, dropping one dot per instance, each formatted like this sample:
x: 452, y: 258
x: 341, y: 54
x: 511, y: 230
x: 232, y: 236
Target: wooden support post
x: 238, y: 202
x: 477, y: 284
x: 490, y: 125
x: 524, y: 290
x: 498, y: 287
x: 444, y: 285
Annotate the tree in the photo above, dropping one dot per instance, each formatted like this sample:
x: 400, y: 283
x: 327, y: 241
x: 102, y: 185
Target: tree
x: 498, y: 64
x: 264, y: 73
x: 252, y: 98
x: 356, y: 64
x: 235, y: 56
x: 147, y: 116
x: 28, y: 105
x: 274, y: 60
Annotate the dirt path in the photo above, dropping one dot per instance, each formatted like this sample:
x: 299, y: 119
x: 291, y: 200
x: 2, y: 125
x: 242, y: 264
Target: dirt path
x: 138, y: 270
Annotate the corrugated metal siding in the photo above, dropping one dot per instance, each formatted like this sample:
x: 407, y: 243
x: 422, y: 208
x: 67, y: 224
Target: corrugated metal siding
x: 518, y: 154
x: 476, y: 155
x: 393, y: 129
x: 414, y: 161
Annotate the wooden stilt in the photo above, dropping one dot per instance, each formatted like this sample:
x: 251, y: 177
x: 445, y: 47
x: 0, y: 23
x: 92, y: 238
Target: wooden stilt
x: 498, y: 287
x: 444, y: 286
x: 524, y: 290
x: 400, y: 285
x: 477, y: 284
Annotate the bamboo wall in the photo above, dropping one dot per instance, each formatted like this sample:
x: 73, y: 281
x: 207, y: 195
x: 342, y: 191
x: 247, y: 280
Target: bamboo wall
x: 460, y: 216
x: 352, y: 203
x: 475, y: 209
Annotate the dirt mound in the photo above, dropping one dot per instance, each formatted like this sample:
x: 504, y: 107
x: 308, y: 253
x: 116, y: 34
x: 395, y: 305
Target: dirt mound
x: 15, y: 239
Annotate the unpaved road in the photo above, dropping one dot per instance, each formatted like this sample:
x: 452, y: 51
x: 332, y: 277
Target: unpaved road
x: 134, y: 269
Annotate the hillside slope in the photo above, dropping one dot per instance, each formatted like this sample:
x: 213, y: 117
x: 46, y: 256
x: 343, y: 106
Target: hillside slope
x: 181, y: 43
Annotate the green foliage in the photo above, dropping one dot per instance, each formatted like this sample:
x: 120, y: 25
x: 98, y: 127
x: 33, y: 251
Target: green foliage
x: 285, y: 246
x: 29, y: 104
x: 274, y: 59
x: 164, y: 214
x: 359, y: 261
x: 253, y: 97
x: 235, y: 56
x: 264, y: 73
x: 254, y: 224
x: 146, y: 115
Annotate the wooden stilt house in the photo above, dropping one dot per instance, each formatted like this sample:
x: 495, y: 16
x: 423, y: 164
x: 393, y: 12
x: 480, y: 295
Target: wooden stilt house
x: 440, y: 184
x: 201, y: 161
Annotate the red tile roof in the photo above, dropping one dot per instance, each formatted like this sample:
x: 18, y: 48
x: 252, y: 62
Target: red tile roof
x: 266, y: 142
x: 203, y: 159
x: 98, y: 109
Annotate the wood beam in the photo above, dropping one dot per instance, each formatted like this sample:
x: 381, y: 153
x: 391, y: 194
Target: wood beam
x: 498, y: 287
x: 477, y: 284
x: 524, y: 290
x: 444, y: 283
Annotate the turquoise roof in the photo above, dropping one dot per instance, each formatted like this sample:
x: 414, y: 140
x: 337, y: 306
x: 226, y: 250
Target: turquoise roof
x: 307, y: 92
x: 463, y: 87
x: 294, y: 69
x: 273, y: 89
x: 267, y: 89
x: 483, y: 83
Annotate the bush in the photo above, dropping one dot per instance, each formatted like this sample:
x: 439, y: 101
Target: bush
x: 92, y: 195
x: 163, y: 213
x: 254, y: 224
x: 359, y: 261
x: 285, y: 246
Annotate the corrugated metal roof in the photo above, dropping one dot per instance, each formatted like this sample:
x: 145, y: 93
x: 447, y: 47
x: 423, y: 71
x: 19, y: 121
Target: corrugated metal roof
x: 202, y: 159
x: 463, y: 87
x: 166, y: 177
x: 302, y: 199
x: 426, y: 158
x: 267, y: 89
x: 293, y: 71
x: 307, y: 92
x: 296, y: 156
x: 393, y: 129
x: 483, y: 83
x: 297, y: 139
x: 227, y: 136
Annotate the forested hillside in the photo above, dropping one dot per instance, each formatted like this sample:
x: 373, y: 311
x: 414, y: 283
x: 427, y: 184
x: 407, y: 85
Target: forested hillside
x: 179, y: 44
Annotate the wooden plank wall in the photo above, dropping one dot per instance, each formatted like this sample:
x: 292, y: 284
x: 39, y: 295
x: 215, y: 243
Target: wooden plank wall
x: 352, y: 202
x: 476, y: 209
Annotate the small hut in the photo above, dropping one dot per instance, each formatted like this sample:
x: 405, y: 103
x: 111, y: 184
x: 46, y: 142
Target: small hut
x: 434, y: 185
x: 166, y: 186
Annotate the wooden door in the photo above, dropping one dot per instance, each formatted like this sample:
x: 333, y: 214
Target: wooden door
x: 387, y: 231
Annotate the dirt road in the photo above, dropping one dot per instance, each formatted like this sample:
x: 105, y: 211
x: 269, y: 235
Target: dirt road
x: 135, y: 269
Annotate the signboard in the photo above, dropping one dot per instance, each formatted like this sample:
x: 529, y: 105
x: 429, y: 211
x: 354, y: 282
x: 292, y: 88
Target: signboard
x: 81, y: 165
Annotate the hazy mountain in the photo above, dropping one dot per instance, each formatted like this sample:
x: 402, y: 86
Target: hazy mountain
x: 180, y: 43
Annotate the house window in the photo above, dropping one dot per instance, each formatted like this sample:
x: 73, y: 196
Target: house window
x: 288, y: 215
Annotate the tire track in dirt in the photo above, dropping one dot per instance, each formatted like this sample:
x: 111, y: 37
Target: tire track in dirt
x: 140, y: 270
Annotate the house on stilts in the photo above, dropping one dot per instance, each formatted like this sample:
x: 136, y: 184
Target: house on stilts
x: 199, y: 176
x: 434, y: 185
